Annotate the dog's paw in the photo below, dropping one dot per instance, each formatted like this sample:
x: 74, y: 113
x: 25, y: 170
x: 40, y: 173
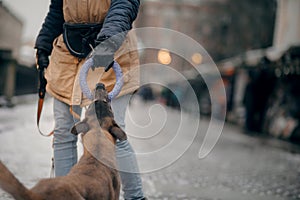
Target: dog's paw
x: 117, y: 132
x: 80, y: 127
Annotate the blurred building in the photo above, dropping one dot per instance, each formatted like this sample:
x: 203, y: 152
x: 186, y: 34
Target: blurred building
x: 287, y: 30
x: 15, y: 77
x: 223, y: 27
x: 11, y: 32
x: 267, y: 80
x: 256, y: 45
x: 10, y: 40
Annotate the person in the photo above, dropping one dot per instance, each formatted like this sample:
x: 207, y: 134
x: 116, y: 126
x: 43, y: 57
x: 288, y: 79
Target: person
x: 70, y: 32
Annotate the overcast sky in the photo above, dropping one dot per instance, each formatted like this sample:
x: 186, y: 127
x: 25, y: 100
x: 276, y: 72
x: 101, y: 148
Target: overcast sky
x: 31, y: 12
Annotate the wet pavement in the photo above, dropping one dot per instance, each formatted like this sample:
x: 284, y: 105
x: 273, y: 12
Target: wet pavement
x: 239, y: 167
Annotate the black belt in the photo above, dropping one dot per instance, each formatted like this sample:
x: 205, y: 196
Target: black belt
x: 80, y: 38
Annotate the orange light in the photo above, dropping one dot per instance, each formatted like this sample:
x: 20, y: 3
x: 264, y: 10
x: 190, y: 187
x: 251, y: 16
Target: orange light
x: 197, y: 58
x: 164, y: 57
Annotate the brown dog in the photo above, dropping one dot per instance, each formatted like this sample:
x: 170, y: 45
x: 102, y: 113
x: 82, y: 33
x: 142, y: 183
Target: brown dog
x: 95, y: 175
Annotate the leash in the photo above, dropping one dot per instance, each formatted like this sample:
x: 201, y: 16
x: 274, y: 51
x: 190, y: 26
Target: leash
x: 42, y: 92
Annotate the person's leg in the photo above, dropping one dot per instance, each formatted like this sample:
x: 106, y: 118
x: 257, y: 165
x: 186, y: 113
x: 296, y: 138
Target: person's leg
x: 64, y: 142
x: 126, y: 160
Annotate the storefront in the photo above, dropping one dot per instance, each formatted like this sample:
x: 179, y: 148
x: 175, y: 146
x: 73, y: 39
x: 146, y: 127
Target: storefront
x: 265, y: 96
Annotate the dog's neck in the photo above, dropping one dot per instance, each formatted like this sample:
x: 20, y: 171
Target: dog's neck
x: 99, y: 144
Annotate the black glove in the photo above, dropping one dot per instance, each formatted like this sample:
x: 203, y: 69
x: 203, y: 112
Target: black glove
x: 42, y: 62
x: 42, y: 59
x: 103, y: 55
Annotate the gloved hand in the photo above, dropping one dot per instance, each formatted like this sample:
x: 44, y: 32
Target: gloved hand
x: 42, y: 59
x: 103, y: 55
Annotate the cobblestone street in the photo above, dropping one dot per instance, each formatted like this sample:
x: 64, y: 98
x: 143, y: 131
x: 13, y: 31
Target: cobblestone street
x: 240, y: 167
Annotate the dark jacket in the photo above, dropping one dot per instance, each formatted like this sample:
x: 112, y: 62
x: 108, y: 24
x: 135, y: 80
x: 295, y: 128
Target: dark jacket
x: 119, y: 18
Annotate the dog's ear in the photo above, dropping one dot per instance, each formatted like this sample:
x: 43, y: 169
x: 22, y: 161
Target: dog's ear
x: 80, y: 127
x: 117, y: 132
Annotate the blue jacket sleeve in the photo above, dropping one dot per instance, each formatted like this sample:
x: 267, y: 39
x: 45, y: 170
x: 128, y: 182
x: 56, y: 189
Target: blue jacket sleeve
x: 119, y: 19
x: 52, y: 26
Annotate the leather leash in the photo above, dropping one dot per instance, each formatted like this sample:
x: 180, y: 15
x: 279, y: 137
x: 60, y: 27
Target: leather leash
x: 39, y: 112
x: 42, y: 92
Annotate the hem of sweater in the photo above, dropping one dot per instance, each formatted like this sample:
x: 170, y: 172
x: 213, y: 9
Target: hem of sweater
x: 58, y: 97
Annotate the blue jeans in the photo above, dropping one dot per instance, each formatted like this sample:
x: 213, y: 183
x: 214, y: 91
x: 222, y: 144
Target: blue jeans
x: 65, y: 146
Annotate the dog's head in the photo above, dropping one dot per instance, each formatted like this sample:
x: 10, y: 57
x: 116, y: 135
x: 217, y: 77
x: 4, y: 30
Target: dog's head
x: 99, y: 112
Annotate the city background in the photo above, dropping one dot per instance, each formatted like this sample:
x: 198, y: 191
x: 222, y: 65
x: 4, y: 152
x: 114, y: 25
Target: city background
x: 255, y: 45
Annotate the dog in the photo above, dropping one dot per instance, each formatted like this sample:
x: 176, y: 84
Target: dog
x: 95, y: 175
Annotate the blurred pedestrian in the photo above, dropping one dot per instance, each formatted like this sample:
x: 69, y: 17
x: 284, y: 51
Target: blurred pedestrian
x: 146, y: 93
x: 69, y: 33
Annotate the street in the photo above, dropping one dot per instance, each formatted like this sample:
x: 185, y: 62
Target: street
x: 240, y: 166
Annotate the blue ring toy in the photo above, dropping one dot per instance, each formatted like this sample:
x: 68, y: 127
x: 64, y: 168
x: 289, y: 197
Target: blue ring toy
x: 83, y: 81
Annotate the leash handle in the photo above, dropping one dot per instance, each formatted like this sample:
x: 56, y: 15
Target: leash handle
x: 41, y: 93
x: 83, y: 81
